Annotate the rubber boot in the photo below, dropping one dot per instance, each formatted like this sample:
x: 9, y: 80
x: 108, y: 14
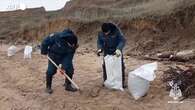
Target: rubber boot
x: 48, y: 84
x: 123, y: 75
x: 104, y: 73
x: 68, y: 86
x: 49, y: 90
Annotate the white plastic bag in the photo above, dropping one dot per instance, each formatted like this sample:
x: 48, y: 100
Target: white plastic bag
x: 146, y: 71
x: 139, y: 79
x: 114, y: 72
x: 11, y: 51
x: 137, y: 86
x: 27, y: 52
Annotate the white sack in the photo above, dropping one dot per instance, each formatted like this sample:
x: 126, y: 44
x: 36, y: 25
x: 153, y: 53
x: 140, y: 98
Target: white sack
x: 139, y: 79
x: 11, y: 51
x: 114, y: 72
x: 146, y: 71
x: 27, y: 51
x: 137, y: 86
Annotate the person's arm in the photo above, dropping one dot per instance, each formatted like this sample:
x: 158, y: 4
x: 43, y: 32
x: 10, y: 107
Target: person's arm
x: 122, y: 41
x: 100, y: 42
x: 120, y: 36
x: 46, y: 44
x: 72, y: 41
x: 76, y: 44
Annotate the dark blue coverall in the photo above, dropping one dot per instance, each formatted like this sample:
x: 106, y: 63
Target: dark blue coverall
x: 60, y: 47
x: 109, y: 44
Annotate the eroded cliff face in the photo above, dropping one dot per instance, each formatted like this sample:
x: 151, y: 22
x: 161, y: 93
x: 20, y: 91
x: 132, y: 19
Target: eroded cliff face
x: 147, y: 27
x: 93, y: 10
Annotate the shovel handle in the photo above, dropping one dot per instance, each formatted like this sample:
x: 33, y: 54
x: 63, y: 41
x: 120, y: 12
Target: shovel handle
x: 63, y: 72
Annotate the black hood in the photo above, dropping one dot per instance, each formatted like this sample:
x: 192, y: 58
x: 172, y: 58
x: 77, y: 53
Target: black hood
x: 66, y: 33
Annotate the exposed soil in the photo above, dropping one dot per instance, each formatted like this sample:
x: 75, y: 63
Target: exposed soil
x: 23, y: 84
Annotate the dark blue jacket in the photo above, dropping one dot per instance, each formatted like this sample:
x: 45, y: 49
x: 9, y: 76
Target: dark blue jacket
x: 114, y: 40
x: 60, y: 43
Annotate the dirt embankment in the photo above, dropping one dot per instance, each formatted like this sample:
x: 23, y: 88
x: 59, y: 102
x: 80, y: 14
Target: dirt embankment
x: 93, y: 10
x: 167, y: 27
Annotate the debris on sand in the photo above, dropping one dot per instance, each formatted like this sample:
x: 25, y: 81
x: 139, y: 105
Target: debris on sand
x: 185, y: 55
x: 165, y: 54
x: 181, y: 56
x: 95, y: 92
x: 183, y: 77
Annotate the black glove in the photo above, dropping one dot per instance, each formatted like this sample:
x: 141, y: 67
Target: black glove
x: 76, y: 46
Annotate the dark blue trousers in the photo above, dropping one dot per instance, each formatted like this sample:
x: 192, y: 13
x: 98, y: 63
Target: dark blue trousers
x: 67, y: 65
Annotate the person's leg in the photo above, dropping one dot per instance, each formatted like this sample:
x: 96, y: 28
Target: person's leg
x: 49, y: 76
x: 69, y: 72
x: 104, y: 71
x: 123, y: 73
x: 68, y: 67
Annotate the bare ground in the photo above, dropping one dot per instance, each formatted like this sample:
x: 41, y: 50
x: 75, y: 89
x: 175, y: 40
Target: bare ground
x: 23, y: 83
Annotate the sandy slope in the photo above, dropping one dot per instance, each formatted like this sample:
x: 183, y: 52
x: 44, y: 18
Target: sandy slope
x: 92, y: 10
x: 22, y: 84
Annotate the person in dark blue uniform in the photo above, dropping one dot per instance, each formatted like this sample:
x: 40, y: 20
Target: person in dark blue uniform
x: 60, y: 47
x: 111, y: 42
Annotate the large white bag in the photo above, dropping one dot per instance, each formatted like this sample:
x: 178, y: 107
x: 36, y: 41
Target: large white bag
x: 114, y: 72
x: 139, y: 79
x: 27, y: 51
x: 137, y: 86
x: 11, y: 51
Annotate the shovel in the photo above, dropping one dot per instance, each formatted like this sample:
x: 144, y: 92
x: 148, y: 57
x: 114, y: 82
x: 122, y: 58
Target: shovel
x: 63, y: 73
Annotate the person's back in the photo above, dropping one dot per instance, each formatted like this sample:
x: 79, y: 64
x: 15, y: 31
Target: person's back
x: 60, y: 43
